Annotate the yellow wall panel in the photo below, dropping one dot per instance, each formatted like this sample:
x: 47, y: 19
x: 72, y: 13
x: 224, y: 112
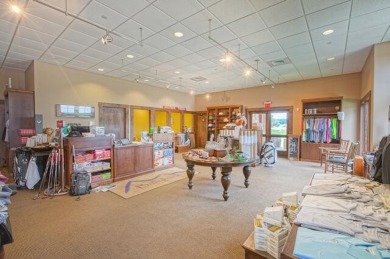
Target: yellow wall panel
x: 189, y: 121
x: 161, y: 118
x: 141, y: 122
x: 176, y: 121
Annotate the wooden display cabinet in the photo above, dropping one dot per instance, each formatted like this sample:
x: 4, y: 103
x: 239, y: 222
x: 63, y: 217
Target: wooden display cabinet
x: 219, y: 116
x: 132, y: 160
x: 320, y: 108
x: 164, y: 150
x: 293, y: 145
x: 87, y: 150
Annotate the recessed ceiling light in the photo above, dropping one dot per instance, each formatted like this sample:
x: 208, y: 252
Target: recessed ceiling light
x: 178, y: 34
x: 101, y: 69
x: 15, y: 8
x: 129, y: 56
x: 207, y: 96
x: 192, y: 92
x: 206, y: 82
x: 222, y: 60
x: 327, y: 32
x: 146, y: 80
x: 247, y: 72
x: 177, y: 72
x: 331, y: 58
x: 168, y: 86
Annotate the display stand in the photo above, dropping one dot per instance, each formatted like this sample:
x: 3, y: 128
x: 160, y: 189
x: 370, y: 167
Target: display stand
x: 219, y: 116
x: 164, y: 150
x: 293, y: 147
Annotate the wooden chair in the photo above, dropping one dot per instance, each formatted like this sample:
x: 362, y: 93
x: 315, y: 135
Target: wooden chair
x: 342, y: 162
x: 344, y: 145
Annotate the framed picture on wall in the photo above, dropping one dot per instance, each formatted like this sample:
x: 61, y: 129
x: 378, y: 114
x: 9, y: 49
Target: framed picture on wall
x: 67, y: 110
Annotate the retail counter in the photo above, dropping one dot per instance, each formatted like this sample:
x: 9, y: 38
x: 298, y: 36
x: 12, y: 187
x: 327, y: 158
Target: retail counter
x: 132, y: 160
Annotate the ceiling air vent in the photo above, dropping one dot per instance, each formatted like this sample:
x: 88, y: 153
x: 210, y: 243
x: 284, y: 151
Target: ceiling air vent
x: 279, y: 62
x: 198, y: 79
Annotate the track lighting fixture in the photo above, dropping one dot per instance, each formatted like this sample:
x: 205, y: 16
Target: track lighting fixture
x: 106, y: 39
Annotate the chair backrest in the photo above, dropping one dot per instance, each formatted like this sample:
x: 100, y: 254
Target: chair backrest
x: 344, y: 144
x: 353, y: 150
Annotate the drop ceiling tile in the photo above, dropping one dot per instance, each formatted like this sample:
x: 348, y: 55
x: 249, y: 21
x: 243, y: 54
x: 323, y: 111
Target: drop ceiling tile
x: 47, y: 13
x: 144, y: 50
x: 248, y: 54
x: 5, y: 37
x: 136, y: 66
x: 131, y: 29
x: 282, y: 12
x: 96, y: 71
x: 117, y: 73
x: 289, y: 28
x: 7, y: 27
x: 60, y: 52
x: 148, y: 62
x: 159, y: 42
x: 39, y: 24
x: 73, y: 7
x: 221, y: 35
x: 178, y: 27
x: 299, y: 50
x: 178, y: 51
x: 123, y: 42
x: 31, y: 44
x: 17, y: 65
x: 311, y: 6
x: 263, y: 4
x: 54, y: 59
x: 78, y: 37
x: 110, y: 49
x: 370, y: 20
x: 268, y: 47
x: 109, y: 66
x: 330, y: 48
x: 199, y: 22
x: 247, y: 25
x: 177, y: 63
x: 193, y: 58
x: 366, y: 37
x: 96, y: 54
x: 78, y: 65
x: 123, y: 7
x: 386, y: 37
x: 328, y: 16
x: 22, y: 56
x: 8, y: 16
x: 294, y: 40
x: 230, y: 10
x: 205, y: 64
x: 162, y: 56
x: 339, y: 29
x: 354, y: 61
x: 257, y: 38
x: 273, y: 56
x: 152, y: 17
x: 360, y: 7
x: 85, y: 28
x: 212, y: 53
x: 196, y: 44
x: 27, y: 33
x: 69, y: 45
x: 102, y: 15
x: 87, y: 59
x: 26, y: 51
x: 178, y: 10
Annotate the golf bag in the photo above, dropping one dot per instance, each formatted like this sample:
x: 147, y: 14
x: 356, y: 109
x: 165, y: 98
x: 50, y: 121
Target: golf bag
x: 380, y: 170
x: 21, y: 161
x: 81, y: 183
x: 268, y: 154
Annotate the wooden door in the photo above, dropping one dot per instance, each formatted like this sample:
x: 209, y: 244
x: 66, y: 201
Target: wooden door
x: 201, y: 129
x: 115, y: 119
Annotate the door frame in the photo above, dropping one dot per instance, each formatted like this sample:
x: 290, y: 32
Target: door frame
x: 114, y: 105
x: 290, y: 117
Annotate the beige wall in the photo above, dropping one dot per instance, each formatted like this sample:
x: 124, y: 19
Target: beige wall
x: 61, y: 85
x: 29, y: 77
x: 381, y: 93
x: 17, y: 79
x: 290, y: 94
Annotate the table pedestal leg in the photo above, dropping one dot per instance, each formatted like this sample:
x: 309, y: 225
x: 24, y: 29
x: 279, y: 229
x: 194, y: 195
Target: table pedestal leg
x: 225, y: 180
x: 190, y: 174
x: 247, y: 172
x: 213, y: 174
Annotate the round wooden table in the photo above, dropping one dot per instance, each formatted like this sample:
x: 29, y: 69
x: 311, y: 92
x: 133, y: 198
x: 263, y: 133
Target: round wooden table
x: 226, y: 169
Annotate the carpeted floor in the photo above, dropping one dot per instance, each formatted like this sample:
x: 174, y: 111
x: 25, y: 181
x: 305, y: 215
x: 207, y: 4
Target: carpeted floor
x: 168, y: 222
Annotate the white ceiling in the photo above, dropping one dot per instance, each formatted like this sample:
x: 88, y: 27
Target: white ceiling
x: 255, y: 32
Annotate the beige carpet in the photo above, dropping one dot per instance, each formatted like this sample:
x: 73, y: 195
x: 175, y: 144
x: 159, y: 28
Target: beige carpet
x: 168, y: 222
x: 144, y: 183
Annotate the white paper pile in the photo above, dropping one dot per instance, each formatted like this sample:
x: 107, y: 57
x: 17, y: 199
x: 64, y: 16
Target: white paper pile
x: 290, y: 198
x: 277, y: 237
x: 260, y: 234
x: 274, y: 215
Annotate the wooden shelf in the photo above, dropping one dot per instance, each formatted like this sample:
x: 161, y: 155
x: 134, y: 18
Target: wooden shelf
x: 217, y: 120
